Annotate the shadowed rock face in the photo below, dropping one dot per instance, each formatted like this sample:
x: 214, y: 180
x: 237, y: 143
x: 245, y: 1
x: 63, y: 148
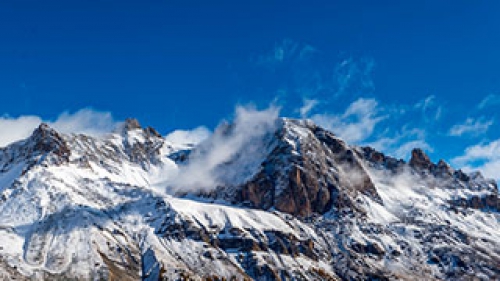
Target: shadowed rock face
x: 486, y: 202
x: 47, y: 140
x: 143, y: 152
x: 443, y: 169
x: 307, y: 174
x: 131, y: 124
x: 381, y: 161
x: 44, y: 144
x: 420, y: 160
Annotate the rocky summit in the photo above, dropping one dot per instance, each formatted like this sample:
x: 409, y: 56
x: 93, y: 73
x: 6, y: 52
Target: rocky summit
x: 289, y: 201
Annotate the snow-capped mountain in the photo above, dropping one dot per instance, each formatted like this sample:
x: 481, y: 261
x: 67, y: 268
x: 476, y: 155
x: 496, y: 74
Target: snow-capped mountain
x: 289, y: 201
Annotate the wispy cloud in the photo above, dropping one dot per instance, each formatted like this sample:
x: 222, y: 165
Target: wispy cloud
x: 471, y: 126
x: 286, y: 51
x: 322, y: 84
x: 297, y: 70
x: 354, y: 76
x: 490, y: 100
x: 426, y: 103
x: 307, y: 106
x: 356, y: 124
x: 401, y: 143
x: 85, y: 121
x: 430, y: 109
x: 367, y: 122
x: 359, y: 123
x: 192, y: 137
x: 14, y: 129
x: 484, y: 157
x: 237, y: 145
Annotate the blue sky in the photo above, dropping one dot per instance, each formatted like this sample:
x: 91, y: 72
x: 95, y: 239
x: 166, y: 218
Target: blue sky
x: 392, y: 74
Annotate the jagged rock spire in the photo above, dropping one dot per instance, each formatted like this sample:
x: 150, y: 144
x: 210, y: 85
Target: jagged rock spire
x: 45, y: 139
x: 131, y: 124
x: 420, y: 160
x: 444, y: 169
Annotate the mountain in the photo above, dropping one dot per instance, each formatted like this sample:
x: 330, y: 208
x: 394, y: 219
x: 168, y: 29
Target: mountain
x: 279, y: 200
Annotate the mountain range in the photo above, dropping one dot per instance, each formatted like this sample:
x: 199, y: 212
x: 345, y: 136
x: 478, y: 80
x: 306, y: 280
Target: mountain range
x: 271, y: 199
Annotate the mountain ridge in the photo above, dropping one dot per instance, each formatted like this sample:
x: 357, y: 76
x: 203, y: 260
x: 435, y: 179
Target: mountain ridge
x: 291, y: 201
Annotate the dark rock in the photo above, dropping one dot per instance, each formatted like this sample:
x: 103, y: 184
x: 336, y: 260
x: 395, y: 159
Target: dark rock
x: 369, y: 248
x: 461, y: 176
x: 443, y: 169
x: 486, y: 202
x: 150, y: 131
x: 131, y: 124
x: 322, y: 174
x: 419, y: 160
x: 48, y: 140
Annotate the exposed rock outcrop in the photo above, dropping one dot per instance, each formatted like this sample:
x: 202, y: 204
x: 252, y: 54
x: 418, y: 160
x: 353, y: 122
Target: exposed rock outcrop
x: 310, y: 171
x: 419, y: 160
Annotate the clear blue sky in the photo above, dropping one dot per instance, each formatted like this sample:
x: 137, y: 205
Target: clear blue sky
x: 181, y: 64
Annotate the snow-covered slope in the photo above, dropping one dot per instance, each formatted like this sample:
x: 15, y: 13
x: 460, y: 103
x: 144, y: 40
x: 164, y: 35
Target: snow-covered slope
x: 292, y: 202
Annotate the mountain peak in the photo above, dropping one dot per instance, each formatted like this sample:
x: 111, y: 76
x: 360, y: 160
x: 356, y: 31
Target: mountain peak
x: 131, y: 124
x: 420, y: 160
x: 44, y: 126
x: 44, y: 132
x: 46, y: 139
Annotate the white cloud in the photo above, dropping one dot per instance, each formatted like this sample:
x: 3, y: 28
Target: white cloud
x: 439, y: 113
x: 85, y: 121
x: 489, y: 100
x: 361, y: 123
x: 354, y: 76
x: 194, y: 136
x: 356, y: 124
x: 430, y: 109
x: 484, y: 157
x: 308, y: 105
x: 426, y: 103
x: 14, y: 129
x: 237, y: 146
x: 481, y: 151
x: 470, y: 127
x: 402, y: 143
x: 489, y: 169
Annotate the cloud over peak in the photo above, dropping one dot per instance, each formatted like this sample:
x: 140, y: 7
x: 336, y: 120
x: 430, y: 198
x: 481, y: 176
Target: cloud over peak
x: 86, y: 121
x: 224, y: 147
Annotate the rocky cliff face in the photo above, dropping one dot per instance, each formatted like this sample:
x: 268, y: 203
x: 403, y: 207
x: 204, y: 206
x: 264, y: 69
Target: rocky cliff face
x: 309, y: 171
x: 299, y: 204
